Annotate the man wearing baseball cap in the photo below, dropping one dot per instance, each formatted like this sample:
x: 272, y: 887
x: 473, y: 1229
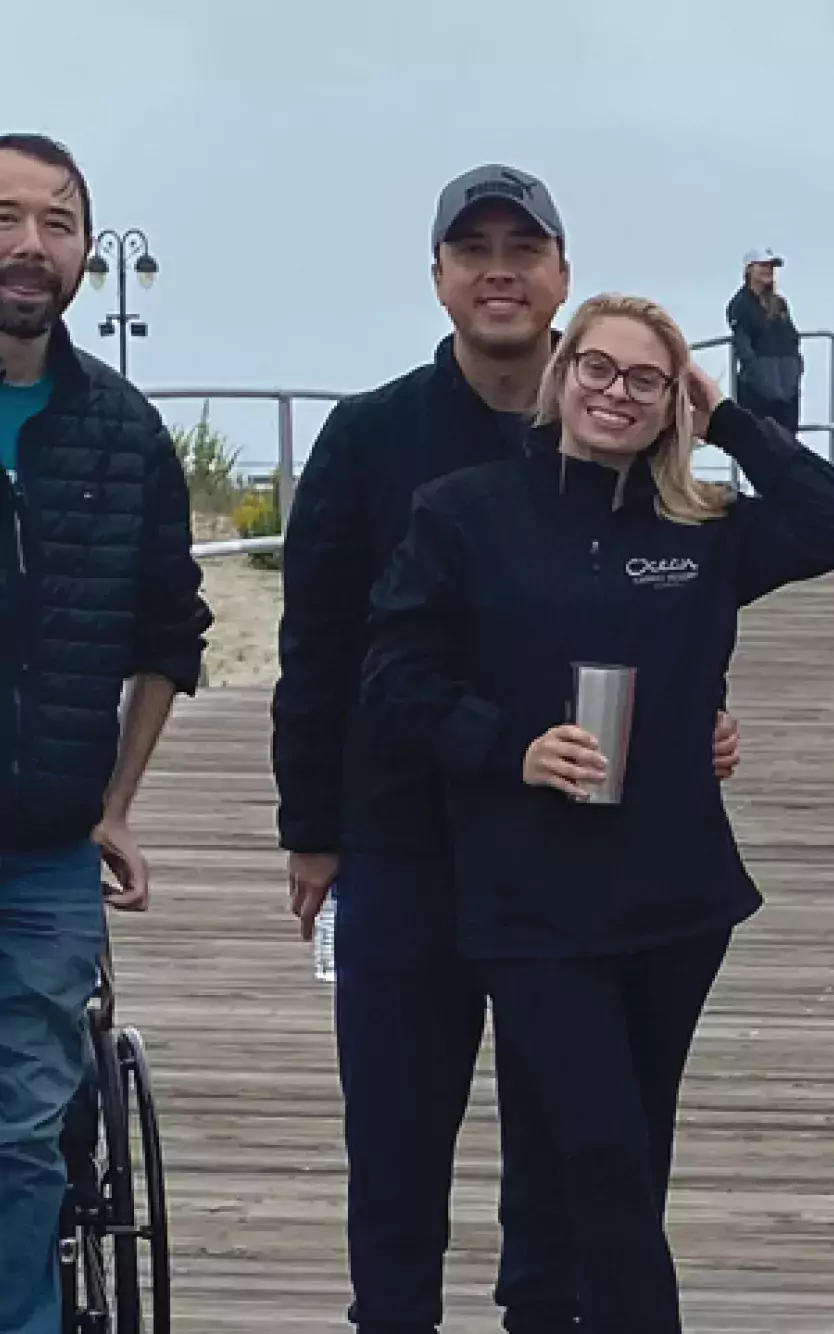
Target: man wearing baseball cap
x: 496, y: 185
x: 766, y: 342
x: 409, y: 1014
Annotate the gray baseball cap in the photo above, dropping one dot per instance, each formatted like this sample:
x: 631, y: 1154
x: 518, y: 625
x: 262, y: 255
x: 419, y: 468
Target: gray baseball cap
x: 496, y: 182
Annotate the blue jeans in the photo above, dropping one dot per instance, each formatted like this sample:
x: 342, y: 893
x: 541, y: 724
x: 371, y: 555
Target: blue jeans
x: 410, y: 1015
x: 51, y: 934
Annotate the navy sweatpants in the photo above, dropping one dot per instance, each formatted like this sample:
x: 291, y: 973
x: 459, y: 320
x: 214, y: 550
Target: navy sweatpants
x: 410, y: 1016
x: 600, y: 1045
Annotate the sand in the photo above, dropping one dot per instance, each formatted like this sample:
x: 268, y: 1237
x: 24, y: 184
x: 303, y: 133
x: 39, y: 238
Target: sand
x: 247, y: 602
x: 243, y: 642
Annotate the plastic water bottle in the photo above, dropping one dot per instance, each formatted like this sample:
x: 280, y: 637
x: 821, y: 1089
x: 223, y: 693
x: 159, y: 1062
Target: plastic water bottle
x: 324, y: 953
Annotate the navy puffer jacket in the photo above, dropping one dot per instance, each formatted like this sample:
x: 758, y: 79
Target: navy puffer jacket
x: 97, y: 584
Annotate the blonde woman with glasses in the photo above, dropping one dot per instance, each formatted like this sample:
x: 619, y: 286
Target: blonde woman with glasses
x: 598, y: 928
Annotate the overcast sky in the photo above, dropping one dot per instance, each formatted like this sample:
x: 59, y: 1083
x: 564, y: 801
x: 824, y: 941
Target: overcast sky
x: 285, y: 158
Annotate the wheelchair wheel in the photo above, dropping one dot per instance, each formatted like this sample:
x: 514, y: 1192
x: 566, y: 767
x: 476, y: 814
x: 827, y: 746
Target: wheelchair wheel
x: 109, y: 1257
x: 97, y: 1248
x: 113, y: 1239
x: 149, y: 1185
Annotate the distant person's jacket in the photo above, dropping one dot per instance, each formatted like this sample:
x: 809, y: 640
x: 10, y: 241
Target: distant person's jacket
x: 337, y: 789
x: 511, y: 573
x: 767, y: 347
x: 97, y: 584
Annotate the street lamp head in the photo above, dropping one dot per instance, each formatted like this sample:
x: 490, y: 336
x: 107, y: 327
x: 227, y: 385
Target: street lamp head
x: 146, y: 270
x: 97, y: 271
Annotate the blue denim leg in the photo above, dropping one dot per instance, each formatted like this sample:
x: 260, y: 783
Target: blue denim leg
x: 51, y: 932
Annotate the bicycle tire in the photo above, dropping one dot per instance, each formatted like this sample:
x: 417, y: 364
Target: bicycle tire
x: 136, y: 1075
x: 120, y: 1220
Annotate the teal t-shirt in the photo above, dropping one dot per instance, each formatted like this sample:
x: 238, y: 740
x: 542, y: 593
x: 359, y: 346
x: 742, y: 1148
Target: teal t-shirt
x: 18, y: 402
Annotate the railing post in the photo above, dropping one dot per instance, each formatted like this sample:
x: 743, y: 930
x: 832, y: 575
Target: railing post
x: 735, y: 471
x: 285, y: 457
x: 831, y: 398
x: 733, y: 372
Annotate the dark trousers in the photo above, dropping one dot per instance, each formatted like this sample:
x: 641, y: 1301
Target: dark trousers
x: 601, y: 1045
x: 410, y: 1016
x: 786, y: 413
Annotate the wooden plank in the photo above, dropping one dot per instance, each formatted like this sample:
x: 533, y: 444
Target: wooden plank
x: 240, y: 1036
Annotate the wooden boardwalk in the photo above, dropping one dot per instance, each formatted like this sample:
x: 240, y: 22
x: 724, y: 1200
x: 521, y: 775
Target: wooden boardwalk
x: 240, y: 1037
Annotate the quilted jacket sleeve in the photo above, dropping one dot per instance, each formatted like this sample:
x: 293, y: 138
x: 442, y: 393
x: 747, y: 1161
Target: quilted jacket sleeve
x: 410, y: 685
x: 786, y: 531
x: 326, y: 588
x: 172, y: 617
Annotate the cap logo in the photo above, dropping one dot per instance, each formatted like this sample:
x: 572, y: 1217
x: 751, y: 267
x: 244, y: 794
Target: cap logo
x: 507, y: 185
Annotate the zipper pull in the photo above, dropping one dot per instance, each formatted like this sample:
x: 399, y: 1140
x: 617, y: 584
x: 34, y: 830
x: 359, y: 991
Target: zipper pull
x: 18, y: 528
x: 595, y: 555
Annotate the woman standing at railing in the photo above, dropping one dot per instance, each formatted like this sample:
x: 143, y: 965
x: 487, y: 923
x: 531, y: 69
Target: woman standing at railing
x: 598, y: 930
x: 766, y: 343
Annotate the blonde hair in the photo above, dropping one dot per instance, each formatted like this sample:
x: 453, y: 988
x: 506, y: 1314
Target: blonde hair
x: 681, y: 497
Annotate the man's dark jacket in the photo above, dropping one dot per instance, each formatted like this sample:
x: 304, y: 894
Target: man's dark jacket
x: 351, y: 510
x: 97, y: 584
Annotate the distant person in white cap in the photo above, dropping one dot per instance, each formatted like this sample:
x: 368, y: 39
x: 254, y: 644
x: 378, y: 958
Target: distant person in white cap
x: 766, y: 343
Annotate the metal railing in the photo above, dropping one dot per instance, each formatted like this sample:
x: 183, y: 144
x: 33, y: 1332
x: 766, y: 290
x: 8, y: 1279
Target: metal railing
x: 286, y: 399
x: 810, y: 428
x: 828, y: 335
x: 238, y: 546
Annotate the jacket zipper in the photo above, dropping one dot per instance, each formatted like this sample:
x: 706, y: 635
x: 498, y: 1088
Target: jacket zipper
x: 17, y: 695
x: 596, y: 567
x: 19, y: 493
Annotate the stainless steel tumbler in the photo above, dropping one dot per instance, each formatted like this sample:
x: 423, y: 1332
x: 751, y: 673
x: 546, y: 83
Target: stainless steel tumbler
x: 604, y: 705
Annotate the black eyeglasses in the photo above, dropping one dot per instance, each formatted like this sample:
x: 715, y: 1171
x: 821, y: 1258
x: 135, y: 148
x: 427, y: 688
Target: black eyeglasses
x: 646, y: 384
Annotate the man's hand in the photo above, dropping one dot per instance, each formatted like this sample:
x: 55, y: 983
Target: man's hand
x: 311, y: 875
x: 121, y: 853
x: 566, y: 758
x: 726, y: 746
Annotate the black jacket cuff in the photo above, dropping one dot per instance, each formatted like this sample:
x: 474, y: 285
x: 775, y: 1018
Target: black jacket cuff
x: 505, y: 758
x: 183, y: 673
x: 760, y: 448
x: 302, y: 836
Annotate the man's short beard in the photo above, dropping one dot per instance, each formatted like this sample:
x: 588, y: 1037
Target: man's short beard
x: 28, y: 319
x: 19, y: 320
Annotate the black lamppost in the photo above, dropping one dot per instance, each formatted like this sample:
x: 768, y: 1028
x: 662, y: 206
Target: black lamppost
x: 123, y: 250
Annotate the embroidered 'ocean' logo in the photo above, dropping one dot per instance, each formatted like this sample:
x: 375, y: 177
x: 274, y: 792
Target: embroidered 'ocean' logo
x: 668, y: 572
